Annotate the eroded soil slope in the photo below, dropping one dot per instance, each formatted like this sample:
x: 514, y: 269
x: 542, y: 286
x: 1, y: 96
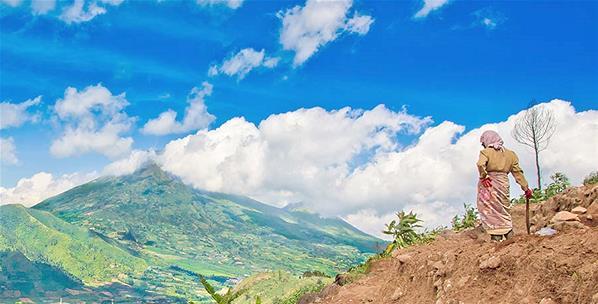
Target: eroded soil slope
x: 468, y: 268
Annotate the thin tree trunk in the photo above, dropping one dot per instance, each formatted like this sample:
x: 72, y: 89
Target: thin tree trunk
x: 538, y: 169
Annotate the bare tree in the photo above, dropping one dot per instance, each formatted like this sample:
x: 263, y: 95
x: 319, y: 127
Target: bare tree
x: 534, y: 129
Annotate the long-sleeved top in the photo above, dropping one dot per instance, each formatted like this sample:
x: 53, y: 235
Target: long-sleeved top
x: 505, y: 160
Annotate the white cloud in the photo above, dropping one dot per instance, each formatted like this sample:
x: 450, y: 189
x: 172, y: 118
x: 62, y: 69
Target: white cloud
x: 94, y: 121
x: 302, y: 155
x: 129, y: 164
x: 83, y: 11
x: 30, y: 191
x: 308, y: 28
x: 196, y: 115
x: 429, y: 6
x: 233, y: 4
x: 42, y: 7
x: 243, y: 62
x: 349, y: 163
x: 359, y: 24
x: 15, y: 114
x: 8, y: 154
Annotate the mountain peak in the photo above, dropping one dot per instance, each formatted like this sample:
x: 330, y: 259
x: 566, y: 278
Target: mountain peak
x: 151, y: 168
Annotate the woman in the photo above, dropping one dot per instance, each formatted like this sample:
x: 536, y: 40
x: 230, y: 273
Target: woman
x: 493, y: 188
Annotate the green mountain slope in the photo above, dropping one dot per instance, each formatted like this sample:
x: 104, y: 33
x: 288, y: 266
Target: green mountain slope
x: 41, y: 237
x: 186, y: 232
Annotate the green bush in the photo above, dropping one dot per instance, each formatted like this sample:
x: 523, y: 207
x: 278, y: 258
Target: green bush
x: 559, y: 183
x: 468, y: 220
x: 296, y: 296
x: 403, y: 231
x: 591, y: 179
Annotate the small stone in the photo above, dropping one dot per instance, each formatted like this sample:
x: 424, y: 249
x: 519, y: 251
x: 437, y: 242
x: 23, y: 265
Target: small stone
x: 403, y: 258
x: 579, y: 210
x: 564, y: 216
x: 547, y: 301
x: 491, y: 263
x: 397, y: 294
x: 589, y: 217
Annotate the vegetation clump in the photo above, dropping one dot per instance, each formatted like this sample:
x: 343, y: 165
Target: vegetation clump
x: 559, y: 183
x: 591, y: 179
x: 468, y: 220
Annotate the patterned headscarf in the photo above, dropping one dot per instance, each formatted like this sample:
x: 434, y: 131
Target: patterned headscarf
x: 491, y: 139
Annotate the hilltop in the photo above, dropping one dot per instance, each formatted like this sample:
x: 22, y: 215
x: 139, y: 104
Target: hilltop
x: 467, y: 268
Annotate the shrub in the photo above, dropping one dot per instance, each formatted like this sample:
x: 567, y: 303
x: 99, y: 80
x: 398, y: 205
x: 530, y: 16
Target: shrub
x: 468, y: 220
x: 591, y: 179
x: 403, y: 231
x: 559, y: 183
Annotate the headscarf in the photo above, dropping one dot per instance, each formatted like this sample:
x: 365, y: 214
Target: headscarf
x: 491, y: 139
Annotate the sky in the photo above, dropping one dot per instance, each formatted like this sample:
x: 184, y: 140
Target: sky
x: 355, y: 109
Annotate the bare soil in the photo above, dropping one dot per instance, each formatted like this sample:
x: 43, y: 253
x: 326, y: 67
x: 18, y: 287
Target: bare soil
x: 468, y: 268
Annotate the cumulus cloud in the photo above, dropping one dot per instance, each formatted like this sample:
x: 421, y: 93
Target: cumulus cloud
x: 8, y: 154
x: 129, y: 164
x: 243, y: 62
x: 196, y: 115
x: 289, y: 157
x: 84, y: 11
x: 429, y: 6
x: 30, y: 191
x: 306, y: 29
x: 16, y: 114
x: 233, y: 4
x: 94, y: 121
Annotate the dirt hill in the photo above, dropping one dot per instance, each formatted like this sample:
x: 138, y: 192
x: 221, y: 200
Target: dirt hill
x: 467, y: 268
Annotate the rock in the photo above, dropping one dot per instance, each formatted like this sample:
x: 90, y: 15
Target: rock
x: 342, y: 279
x: 563, y: 216
x: 593, y: 208
x: 397, y: 294
x: 491, y: 263
x: 403, y: 258
x: 589, y: 217
x: 579, y: 210
x: 595, y: 298
x: 547, y: 301
x: 569, y: 225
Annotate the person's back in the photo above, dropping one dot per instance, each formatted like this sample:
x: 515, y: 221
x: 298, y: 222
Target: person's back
x: 501, y: 160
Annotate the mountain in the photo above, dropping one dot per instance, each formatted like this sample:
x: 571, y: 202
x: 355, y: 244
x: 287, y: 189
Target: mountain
x: 182, y: 232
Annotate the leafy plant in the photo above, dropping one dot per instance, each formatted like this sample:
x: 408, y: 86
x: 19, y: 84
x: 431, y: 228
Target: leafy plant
x: 468, y: 220
x: 591, y: 179
x: 227, y: 298
x: 560, y: 182
x: 403, y: 231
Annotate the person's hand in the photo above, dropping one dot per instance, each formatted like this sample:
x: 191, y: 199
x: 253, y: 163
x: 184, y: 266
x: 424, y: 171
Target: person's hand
x: 528, y: 193
x: 486, y: 182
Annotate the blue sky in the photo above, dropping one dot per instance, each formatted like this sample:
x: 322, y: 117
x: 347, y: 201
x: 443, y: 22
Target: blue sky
x: 449, y: 65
